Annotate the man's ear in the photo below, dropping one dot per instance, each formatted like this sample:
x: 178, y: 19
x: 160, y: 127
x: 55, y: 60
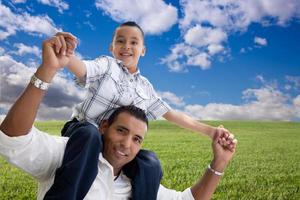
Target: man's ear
x: 103, y: 126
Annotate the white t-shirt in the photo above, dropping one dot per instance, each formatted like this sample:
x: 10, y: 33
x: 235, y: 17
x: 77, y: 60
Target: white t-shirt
x: 40, y: 154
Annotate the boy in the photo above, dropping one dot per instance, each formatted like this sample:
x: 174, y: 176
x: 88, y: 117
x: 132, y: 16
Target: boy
x: 114, y: 82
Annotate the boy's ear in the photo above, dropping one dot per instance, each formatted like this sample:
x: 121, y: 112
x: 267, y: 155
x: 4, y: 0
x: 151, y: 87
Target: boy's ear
x: 143, y: 51
x: 103, y: 127
x: 110, y: 48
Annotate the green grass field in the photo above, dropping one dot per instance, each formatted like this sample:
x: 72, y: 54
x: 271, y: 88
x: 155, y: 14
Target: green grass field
x: 266, y: 165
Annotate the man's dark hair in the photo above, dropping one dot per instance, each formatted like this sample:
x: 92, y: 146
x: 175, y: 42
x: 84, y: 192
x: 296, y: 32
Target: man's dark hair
x: 132, y: 110
x: 132, y: 24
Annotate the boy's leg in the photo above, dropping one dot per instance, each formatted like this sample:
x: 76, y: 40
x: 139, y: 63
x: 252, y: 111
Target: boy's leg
x: 80, y: 163
x: 146, y: 173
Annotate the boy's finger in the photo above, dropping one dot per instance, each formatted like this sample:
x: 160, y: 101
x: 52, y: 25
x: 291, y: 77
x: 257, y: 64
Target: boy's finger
x: 57, y: 44
x: 71, y: 44
x: 63, y: 45
x: 66, y: 35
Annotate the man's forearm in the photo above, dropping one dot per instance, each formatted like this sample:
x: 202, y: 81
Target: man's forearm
x: 21, y: 116
x: 206, y: 186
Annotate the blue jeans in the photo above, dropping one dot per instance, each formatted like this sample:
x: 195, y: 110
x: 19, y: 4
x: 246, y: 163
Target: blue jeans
x: 80, y: 166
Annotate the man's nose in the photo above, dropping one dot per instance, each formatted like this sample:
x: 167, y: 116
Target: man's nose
x: 126, y: 142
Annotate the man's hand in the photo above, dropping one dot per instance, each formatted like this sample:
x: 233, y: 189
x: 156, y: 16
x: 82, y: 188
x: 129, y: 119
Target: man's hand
x: 57, y: 50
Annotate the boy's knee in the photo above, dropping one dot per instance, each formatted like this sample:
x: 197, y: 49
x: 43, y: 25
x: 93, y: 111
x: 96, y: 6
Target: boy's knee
x: 149, y: 159
x: 87, y: 133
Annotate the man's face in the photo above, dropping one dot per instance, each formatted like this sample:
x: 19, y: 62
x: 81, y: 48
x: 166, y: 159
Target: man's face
x: 128, y: 46
x: 122, y: 139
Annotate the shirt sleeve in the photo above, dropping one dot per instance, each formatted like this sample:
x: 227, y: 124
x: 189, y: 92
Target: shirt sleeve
x: 94, y: 69
x: 36, y: 153
x: 157, y: 107
x: 168, y: 194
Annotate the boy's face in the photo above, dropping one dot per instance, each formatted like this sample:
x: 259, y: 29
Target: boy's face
x: 128, y: 46
x: 122, y: 139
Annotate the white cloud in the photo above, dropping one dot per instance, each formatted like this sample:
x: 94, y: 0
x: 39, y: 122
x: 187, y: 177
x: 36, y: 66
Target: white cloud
x: 260, y: 41
x: 201, y: 60
x: 202, y: 36
x: 265, y: 104
x: 294, y: 82
x: 59, y: 4
x: 171, y: 98
x: 2, y: 51
x: 182, y: 55
x: 214, y: 49
x: 19, y: 1
x: 10, y: 23
x: 24, y: 49
x: 206, y: 25
x: 61, y: 96
x: 154, y: 16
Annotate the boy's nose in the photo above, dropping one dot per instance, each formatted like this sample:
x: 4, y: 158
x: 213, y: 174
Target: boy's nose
x: 126, y: 45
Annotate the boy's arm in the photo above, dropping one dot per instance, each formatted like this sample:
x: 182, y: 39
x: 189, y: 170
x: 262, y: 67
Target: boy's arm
x: 77, y: 67
x: 21, y: 116
x: 187, y: 122
x: 74, y: 64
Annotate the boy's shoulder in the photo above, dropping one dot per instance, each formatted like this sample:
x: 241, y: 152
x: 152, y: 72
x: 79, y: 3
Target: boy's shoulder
x: 145, y: 80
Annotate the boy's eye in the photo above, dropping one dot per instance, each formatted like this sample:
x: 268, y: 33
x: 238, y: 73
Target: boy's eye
x: 134, y: 43
x: 119, y: 41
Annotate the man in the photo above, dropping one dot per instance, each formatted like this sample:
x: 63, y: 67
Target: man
x: 41, y: 155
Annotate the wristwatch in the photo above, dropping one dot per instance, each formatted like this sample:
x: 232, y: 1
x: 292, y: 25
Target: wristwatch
x: 38, y: 83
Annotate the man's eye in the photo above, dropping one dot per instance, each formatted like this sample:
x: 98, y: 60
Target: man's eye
x: 119, y: 41
x: 134, y: 43
x: 138, y: 140
x: 120, y: 130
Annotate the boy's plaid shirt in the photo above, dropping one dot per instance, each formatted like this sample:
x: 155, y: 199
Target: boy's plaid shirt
x: 110, y: 85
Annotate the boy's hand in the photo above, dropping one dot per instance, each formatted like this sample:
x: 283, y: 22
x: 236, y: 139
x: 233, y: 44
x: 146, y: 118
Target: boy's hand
x: 57, y: 50
x: 226, y: 138
x: 66, y: 43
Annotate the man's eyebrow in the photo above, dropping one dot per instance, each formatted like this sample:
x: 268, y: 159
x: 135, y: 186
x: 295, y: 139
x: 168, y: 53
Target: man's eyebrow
x: 123, y: 127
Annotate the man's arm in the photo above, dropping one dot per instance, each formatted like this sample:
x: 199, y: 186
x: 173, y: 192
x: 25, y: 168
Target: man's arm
x: 206, y: 186
x: 21, y: 116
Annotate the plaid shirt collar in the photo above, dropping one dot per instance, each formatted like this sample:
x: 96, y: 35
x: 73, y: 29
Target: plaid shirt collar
x: 135, y: 74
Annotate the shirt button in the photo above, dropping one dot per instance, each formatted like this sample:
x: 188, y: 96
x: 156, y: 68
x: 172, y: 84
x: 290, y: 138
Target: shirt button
x: 131, y: 80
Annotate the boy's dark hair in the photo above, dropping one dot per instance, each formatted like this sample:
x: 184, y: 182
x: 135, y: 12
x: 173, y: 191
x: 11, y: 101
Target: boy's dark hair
x: 132, y: 110
x: 132, y: 24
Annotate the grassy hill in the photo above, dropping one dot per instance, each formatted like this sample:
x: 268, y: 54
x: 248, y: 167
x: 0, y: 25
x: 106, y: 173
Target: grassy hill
x: 266, y: 165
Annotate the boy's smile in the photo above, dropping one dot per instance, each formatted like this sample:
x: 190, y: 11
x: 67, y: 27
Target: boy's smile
x: 128, y: 46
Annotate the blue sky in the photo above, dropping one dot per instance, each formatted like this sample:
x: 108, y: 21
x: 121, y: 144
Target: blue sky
x: 214, y: 60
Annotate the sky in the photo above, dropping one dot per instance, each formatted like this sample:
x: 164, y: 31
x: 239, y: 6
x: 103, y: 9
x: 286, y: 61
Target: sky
x: 211, y: 59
